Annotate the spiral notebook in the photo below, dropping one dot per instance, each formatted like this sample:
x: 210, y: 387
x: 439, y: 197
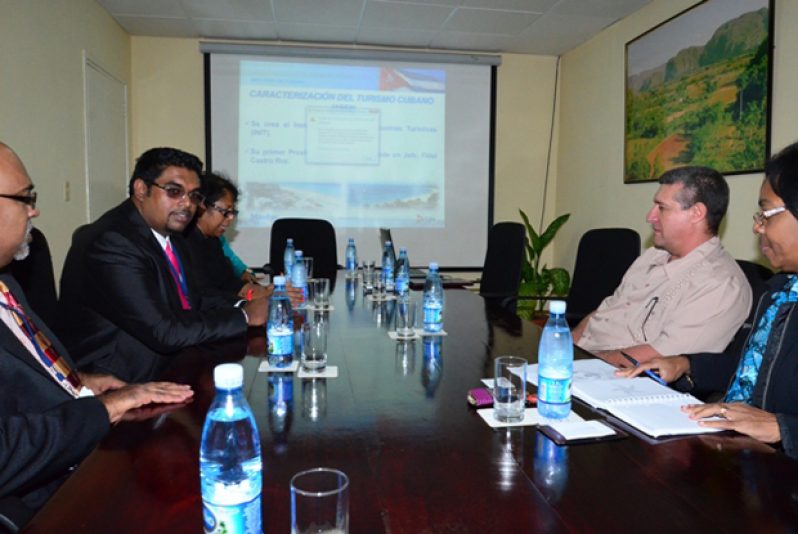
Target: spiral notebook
x: 648, y: 406
x: 640, y: 402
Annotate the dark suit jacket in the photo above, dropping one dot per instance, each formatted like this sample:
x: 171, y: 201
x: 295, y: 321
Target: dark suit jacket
x: 775, y: 389
x: 209, y: 264
x: 43, y: 430
x: 119, y: 307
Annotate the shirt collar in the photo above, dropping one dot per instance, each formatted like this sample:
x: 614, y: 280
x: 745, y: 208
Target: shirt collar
x: 163, y: 241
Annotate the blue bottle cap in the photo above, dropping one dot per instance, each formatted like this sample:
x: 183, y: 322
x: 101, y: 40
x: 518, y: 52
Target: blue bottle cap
x: 433, y: 266
x: 279, y: 280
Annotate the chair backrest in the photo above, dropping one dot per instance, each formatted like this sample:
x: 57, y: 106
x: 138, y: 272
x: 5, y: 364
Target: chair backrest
x: 36, y: 277
x: 603, y: 256
x: 757, y: 276
x: 314, y: 237
x: 504, y: 259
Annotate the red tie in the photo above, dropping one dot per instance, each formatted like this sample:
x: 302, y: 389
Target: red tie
x: 177, y: 274
x: 46, y: 355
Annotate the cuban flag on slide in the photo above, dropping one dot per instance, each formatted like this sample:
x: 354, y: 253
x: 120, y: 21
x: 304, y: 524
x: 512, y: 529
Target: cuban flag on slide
x: 417, y: 80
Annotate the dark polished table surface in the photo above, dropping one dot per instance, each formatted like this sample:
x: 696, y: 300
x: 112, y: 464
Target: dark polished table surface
x: 418, y: 458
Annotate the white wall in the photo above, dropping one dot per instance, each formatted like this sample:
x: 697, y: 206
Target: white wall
x: 590, y: 172
x: 41, y: 99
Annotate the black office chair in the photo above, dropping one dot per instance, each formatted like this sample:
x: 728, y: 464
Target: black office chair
x: 757, y: 276
x: 504, y: 259
x: 603, y: 256
x: 14, y: 515
x: 314, y: 237
x: 35, y: 275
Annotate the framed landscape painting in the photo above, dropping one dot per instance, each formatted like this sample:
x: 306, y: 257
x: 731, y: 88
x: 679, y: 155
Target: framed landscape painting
x: 698, y: 91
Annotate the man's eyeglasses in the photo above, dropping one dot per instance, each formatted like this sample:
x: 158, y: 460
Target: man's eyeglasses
x: 761, y: 217
x: 30, y: 199
x: 177, y: 192
x: 226, y: 213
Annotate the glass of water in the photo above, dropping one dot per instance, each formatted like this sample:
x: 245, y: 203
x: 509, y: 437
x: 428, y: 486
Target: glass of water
x: 509, y: 388
x: 320, y: 501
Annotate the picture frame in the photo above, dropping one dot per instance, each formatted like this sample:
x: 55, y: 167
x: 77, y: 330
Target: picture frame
x: 698, y: 91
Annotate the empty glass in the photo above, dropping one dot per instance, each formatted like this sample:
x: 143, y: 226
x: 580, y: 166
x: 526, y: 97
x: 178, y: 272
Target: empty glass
x: 406, y: 319
x: 320, y: 501
x: 368, y: 276
x: 321, y: 293
x: 509, y: 389
x: 308, y: 261
x: 314, y: 344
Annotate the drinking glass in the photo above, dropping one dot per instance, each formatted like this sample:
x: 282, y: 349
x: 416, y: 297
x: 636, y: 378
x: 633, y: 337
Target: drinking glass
x: 308, y: 261
x: 321, y: 293
x: 320, y: 501
x: 368, y: 276
x: 406, y: 319
x: 509, y: 388
x: 314, y: 344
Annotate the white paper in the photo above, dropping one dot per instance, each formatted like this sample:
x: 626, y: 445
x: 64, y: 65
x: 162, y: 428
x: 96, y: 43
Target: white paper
x: 264, y: 367
x: 393, y: 335
x: 331, y: 371
x: 573, y: 430
x: 422, y: 332
x: 531, y: 418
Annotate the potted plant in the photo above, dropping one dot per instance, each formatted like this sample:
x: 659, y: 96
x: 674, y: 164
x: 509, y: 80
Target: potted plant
x: 538, y: 283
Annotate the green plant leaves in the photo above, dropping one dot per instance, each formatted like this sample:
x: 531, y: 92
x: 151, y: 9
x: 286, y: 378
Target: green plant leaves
x: 536, y: 281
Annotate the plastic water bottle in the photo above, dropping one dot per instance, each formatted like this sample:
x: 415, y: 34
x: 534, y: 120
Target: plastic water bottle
x: 351, y: 259
x: 230, y: 462
x: 299, y: 278
x: 288, y: 257
x: 433, y: 300
x: 403, y: 274
x: 555, y: 365
x: 388, y: 266
x: 280, y: 326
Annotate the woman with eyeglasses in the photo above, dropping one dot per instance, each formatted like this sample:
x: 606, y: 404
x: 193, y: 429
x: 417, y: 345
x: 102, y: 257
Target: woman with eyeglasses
x: 214, y: 215
x: 761, y: 380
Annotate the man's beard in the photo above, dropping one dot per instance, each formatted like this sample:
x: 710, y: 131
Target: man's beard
x: 24, y: 247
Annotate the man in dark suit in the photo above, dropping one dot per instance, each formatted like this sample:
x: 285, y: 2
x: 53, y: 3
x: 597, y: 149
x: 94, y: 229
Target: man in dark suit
x: 129, y: 298
x: 50, y: 416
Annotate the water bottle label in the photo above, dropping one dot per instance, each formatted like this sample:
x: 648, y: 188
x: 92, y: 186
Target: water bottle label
x: 351, y: 264
x: 401, y: 284
x: 235, y: 519
x: 554, y: 390
x: 280, y: 344
x: 433, y: 316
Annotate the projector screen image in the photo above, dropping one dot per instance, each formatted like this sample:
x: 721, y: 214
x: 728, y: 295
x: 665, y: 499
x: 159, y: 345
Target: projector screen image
x: 364, y: 145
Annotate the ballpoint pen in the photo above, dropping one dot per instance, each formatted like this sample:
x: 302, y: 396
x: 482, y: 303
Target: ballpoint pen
x: 651, y: 374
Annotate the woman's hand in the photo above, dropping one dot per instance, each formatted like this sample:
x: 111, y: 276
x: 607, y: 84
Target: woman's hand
x: 739, y: 417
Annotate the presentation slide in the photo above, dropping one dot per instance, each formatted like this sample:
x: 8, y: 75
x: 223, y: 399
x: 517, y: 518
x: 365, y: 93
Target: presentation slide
x: 359, y: 146
x: 363, y: 143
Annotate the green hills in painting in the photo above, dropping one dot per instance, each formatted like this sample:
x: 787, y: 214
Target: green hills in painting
x: 707, y: 105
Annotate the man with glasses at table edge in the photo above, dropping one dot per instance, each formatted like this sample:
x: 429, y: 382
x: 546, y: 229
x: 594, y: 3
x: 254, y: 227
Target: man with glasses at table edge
x: 684, y: 295
x: 129, y: 296
x: 51, y: 416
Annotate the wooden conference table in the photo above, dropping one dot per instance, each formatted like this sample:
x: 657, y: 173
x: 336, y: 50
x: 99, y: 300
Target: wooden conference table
x: 418, y: 458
